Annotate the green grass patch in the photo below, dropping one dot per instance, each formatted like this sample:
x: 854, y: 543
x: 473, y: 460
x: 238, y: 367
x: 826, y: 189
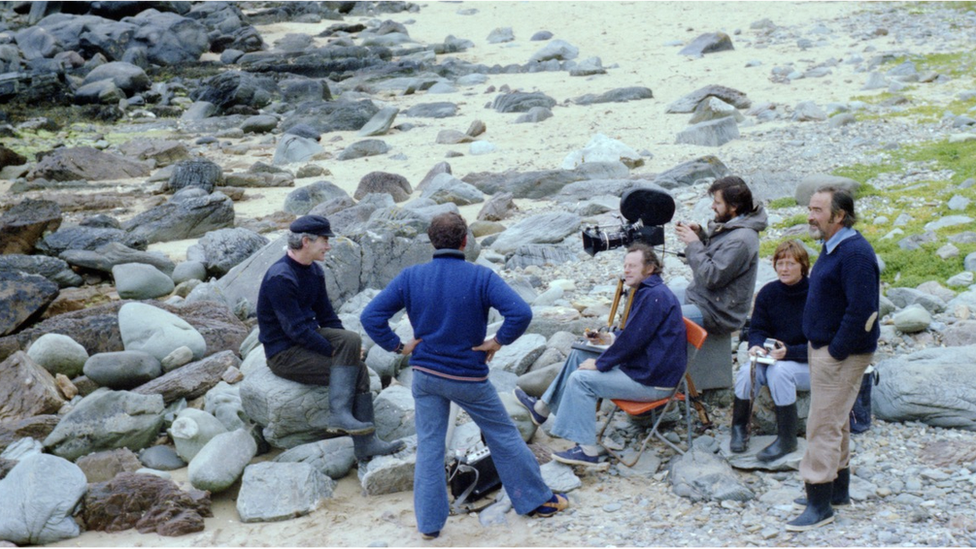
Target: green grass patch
x: 785, y: 202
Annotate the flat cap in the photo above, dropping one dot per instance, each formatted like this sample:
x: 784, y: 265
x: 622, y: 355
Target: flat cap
x: 312, y: 224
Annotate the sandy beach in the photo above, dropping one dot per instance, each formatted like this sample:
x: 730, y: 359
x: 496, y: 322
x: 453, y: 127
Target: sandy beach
x: 638, y: 43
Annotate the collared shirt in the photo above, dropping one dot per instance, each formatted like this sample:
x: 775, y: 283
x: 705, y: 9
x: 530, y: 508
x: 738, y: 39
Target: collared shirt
x: 839, y: 236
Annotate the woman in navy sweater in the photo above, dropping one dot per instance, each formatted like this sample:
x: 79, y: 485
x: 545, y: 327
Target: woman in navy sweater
x: 777, y: 316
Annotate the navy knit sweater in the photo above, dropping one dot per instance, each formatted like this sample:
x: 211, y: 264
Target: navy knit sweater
x: 447, y: 301
x: 842, y: 306
x: 778, y: 314
x: 292, y: 305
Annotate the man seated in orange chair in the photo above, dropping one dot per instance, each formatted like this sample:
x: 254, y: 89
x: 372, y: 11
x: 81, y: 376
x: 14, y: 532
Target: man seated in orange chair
x: 644, y: 362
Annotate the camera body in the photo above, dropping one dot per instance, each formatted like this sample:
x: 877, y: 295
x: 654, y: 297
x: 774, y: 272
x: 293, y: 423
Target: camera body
x: 769, y: 345
x: 646, y: 210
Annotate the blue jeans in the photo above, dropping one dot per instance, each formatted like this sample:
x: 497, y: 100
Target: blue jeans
x: 579, y: 390
x: 784, y: 378
x: 517, y: 466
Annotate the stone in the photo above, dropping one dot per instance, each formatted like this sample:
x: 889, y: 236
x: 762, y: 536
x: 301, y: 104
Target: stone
x: 560, y: 477
x: 290, y: 413
x: 907, y: 297
x: 500, y: 35
x: 559, y: 50
x: 713, y: 108
x: 141, y: 281
x: 333, y: 457
x: 809, y: 185
x: 303, y: 199
x: 197, y: 172
x: 933, y: 386
x: 192, y: 430
x: 518, y: 356
x: 58, y: 354
x: 194, y: 379
x: 390, y: 474
x: 157, y: 332
x: 40, y: 495
x: 23, y: 299
x: 273, y: 491
x: 394, y: 413
x: 26, y: 389
x: 588, y: 67
x: 87, y: 163
x: 618, y: 95
x: 106, y: 420
x: 441, y: 109
x: 107, y: 256
x: 103, y: 466
x: 380, y: 123
x: 539, y: 229
x: 161, y: 458
x: 498, y: 207
x: 522, y: 101
x: 181, y: 356
x: 713, y: 133
x: 190, y: 213
x: 710, y: 42
x: 912, y: 319
x: 25, y: 223
x: 163, y: 152
x: 122, y: 369
x: 220, y: 463
x: 948, y: 221
x: 806, y: 111
x: 446, y: 188
x: 690, y: 102
x: 261, y: 123
x: 688, y: 173
x: 747, y: 460
x: 537, y: 380
x: 601, y: 148
x: 703, y: 476
x: 224, y: 249
x: 146, y: 502
x: 292, y: 149
x: 395, y: 185
x: 534, y: 115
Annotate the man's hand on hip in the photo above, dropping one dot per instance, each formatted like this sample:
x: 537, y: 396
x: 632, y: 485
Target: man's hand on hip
x: 409, y: 346
x: 490, y: 347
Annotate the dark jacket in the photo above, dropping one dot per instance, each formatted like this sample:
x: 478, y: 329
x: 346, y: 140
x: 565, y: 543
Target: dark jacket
x: 778, y: 314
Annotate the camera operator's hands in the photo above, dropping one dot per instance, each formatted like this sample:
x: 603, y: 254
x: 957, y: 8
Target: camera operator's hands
x: 594, y: 337
x: 687, y: 232
x: 588, y: 364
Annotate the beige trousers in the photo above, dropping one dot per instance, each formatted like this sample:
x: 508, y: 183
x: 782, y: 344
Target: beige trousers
x: 834, y: 385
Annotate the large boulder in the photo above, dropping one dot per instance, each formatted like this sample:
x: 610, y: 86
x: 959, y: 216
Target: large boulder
x: 332, y: 116
x: 148, y: 503
x: 713, y: 133
x: 235, y: 88
x: 105, y: 257
x: 395, y: 411
x: 690, y: 172
x: 192, y: 430
x: 332, y: 457
x: 224, y: 249
x: 934, y: 386
x: 88, y: 163
x: 24, y: 224
x: 54, y: 269
x: 291, y: 413
x: 157, y: 332
x: 58, y: 354
x: 26, y: 389
x: 23, y: 299
x: 537, y: 229
x: 187, y: 215
x: 87, y: 238
x: 690, y: 102
x: 221, y: 461
x: 126, y: 76
x: 700, y: 475
x: 301, y: 200
x: 393, y: 184
x: 292, y: 149
x: 40, y: 495
x: 106, y: 420
x: 141, y: 281
x: 197, y: 172
x: 122, y: 369
x: 273, y: 491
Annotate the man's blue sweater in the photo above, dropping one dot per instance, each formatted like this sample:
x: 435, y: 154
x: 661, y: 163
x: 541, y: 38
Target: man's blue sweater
x: 447, y: 301
x: 778, y: 314
x: 292, y: 305
x: 652, y: 349
x: 842, y: 305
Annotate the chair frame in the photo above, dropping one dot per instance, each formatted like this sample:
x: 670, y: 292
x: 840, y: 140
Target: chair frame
x: 696, y: 338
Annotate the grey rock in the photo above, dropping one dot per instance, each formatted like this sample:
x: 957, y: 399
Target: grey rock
x: 499, y: 35
x: 58, y: 354
x: 86, y: 163
x: 226, y: 248
x: 192, y: 430
x: 380, y: 123
x: 261, y: 123
x: 157, y: 332
x: 906, y: 297
x: 958, y: 202
x: 141, y: 281
x: 223, y: 401
x: 189, y: 270
x: 747, y: 460
x: 104, y: 466
x: 498, y: 207
x: 52, y: 268
x: 618, y: 95
x: 806, y: 111
x: 446, y: 188
x: 481, y: 147
x: 438, y: 169
x: 390, y: 474
x: 601, y: 148
x: 26, y: 389
x: 332, y: 457
x: 539, y: 229
x: 303, y: 199
x: 536, y: 381
x: 534, y: 115
x: 703, y: 476
x: 687, y: 173
x: 934, y: 386
x: 713, y: 133
x: 188, y: 214
x: 394, y: 413
x: 273, y: 491
x: 557, y: 49
x: 293, y: 148
x: 518, y: 356
x: 234, y: 88
x: 588, y: 67
x: 122, y: 369
x: 395, y: 185
x: 126, y: 76
x: 22, y: 449
x: 560, y: 477
x: 539, y: 254
x: 711, y: 42
x: 689, y: 103
x: 441, y: 109
x: 106, y: 420
x: 221, y: 461
x: 23, y: 298
x: 40, y: 495
x: 290, y: 413
x: 161, y: 458
x: 875, y: 81
x: 105, y: 257
x: 331, y: 116
x: 541, y: 36
x: 912, y: 319
x: 712, y: 108
x: 948, y: 221
x: 522, y: 101
x: 361, y: 149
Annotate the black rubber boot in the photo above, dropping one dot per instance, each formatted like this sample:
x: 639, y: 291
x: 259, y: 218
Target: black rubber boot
x: 786, y: 420
x: 367, y: 446
x: 342, y: 389
x: 840, y: 490
x: 740, y: 426
x: 818, y: 511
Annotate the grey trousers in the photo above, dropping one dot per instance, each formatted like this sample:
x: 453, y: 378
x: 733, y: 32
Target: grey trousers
x: 303, y: 365
x: 834, y: 385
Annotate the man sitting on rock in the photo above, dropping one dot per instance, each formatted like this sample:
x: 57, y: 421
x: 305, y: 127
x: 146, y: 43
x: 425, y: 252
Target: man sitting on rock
x: 644, y: 362
x: 304, y: 340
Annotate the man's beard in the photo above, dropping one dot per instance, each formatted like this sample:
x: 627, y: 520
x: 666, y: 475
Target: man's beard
x: 723, y: 218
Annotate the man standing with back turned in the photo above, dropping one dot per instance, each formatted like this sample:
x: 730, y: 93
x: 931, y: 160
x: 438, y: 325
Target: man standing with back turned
x: 841, y: 322
x: 447, y: 301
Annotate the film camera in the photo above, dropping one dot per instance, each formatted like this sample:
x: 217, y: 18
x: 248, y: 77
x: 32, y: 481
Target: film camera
x: 645, y: 211
x: 770, y: 345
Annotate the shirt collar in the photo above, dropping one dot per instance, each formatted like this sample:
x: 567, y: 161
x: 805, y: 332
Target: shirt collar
x: 841, y: 235
x: 447, y: 252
